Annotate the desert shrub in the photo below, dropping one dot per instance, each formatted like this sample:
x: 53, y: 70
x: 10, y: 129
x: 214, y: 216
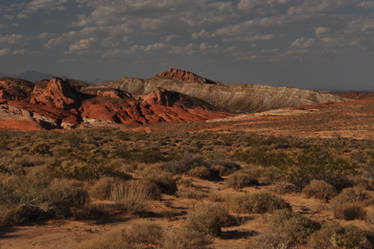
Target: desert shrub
x: 90, y: 212
x: 136, y: 236
x: 103, y: 187
x: 349, y: 204
x: 65, y: 193
x: 22, y: 214
x: 349, y: 211
x: 260, y: 202
x: 334, y: 236
x: 370, y: 214
x: 241, y: 179
x: 131, y: 196
x: 209, y: 219
x: 270, y: 240
x: 165, y: 182
x: 320, y: 190
x: 185, y: 164
x: 185, y: 238
x: 225, y: 168
x: 191, y: 193
x: 283, y: 188
x: 40, y: 148
x: 205, y: 173
x: 106, y: 242
x: 294, y: 228
x: 143, y: 233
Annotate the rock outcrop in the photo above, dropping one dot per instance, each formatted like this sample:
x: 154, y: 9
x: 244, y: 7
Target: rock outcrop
x: 66, y: 104
x: 183, y: 76
x: 58, y: 93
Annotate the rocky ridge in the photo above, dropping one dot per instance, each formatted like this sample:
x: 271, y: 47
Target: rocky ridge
x: 228, y: 98
x: 59, y: 103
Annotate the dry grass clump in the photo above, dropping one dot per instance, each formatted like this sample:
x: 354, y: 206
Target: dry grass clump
x: 334, y: 236
x: 283, y: 187
x: 270, y: 240
x: 209, y: 219
x: 165, y: 182
x: 241, y: 179
x: 320, y: 189
x: 191, y: 193
x: 136, y: 236
x: 131, y: 196
x: 204, y: 173
x: 370, y: 214
x: 350, y: 203
x: 225, y: 168
x: 261, y: 202
x: 185, y: 238
x: 63, y: 193
x: 96, y: 212
x: 102, y: 189
x: 286, y: 230
x: 22, y: 214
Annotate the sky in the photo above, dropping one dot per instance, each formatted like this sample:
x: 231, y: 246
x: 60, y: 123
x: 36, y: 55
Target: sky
x: 315, y: 44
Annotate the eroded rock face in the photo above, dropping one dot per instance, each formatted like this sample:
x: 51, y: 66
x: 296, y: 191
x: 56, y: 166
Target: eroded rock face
x: 184, y: 76
x: 172, y: 96
x: 58, y: 93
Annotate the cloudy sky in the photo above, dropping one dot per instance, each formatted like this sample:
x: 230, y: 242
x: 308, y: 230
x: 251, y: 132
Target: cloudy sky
x: 324, y: 44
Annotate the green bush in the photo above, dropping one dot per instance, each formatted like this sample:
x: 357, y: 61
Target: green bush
x: 260, y: 202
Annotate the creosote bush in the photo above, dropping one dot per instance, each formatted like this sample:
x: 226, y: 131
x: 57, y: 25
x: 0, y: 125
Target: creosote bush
x: 241, y: 179
x: 136, y: 236
x: 209, y: 219
x: 292, y: 227
x: 185, y: 238
x: 65, y: 193
x: 350, y: 203
x: 334, y: 236
x: 261, y: 202
x: 320, y: 189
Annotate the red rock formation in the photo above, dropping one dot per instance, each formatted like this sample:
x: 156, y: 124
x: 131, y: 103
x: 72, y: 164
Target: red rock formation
x: 184, y: 76
x: 15, y: 89
x: 58, y: 93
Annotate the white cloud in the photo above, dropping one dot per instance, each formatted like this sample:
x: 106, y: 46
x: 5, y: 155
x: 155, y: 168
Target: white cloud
x: 11, y: 39
x: 303, y: 42
x: 202, y: 34
x: 4, y: 51
x: 80, y: 45
x: 35, y: 6
x: 321, y: 30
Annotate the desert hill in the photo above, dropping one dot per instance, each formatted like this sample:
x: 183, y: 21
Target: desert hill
x: 171, y: 96
x: 237, y: 99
